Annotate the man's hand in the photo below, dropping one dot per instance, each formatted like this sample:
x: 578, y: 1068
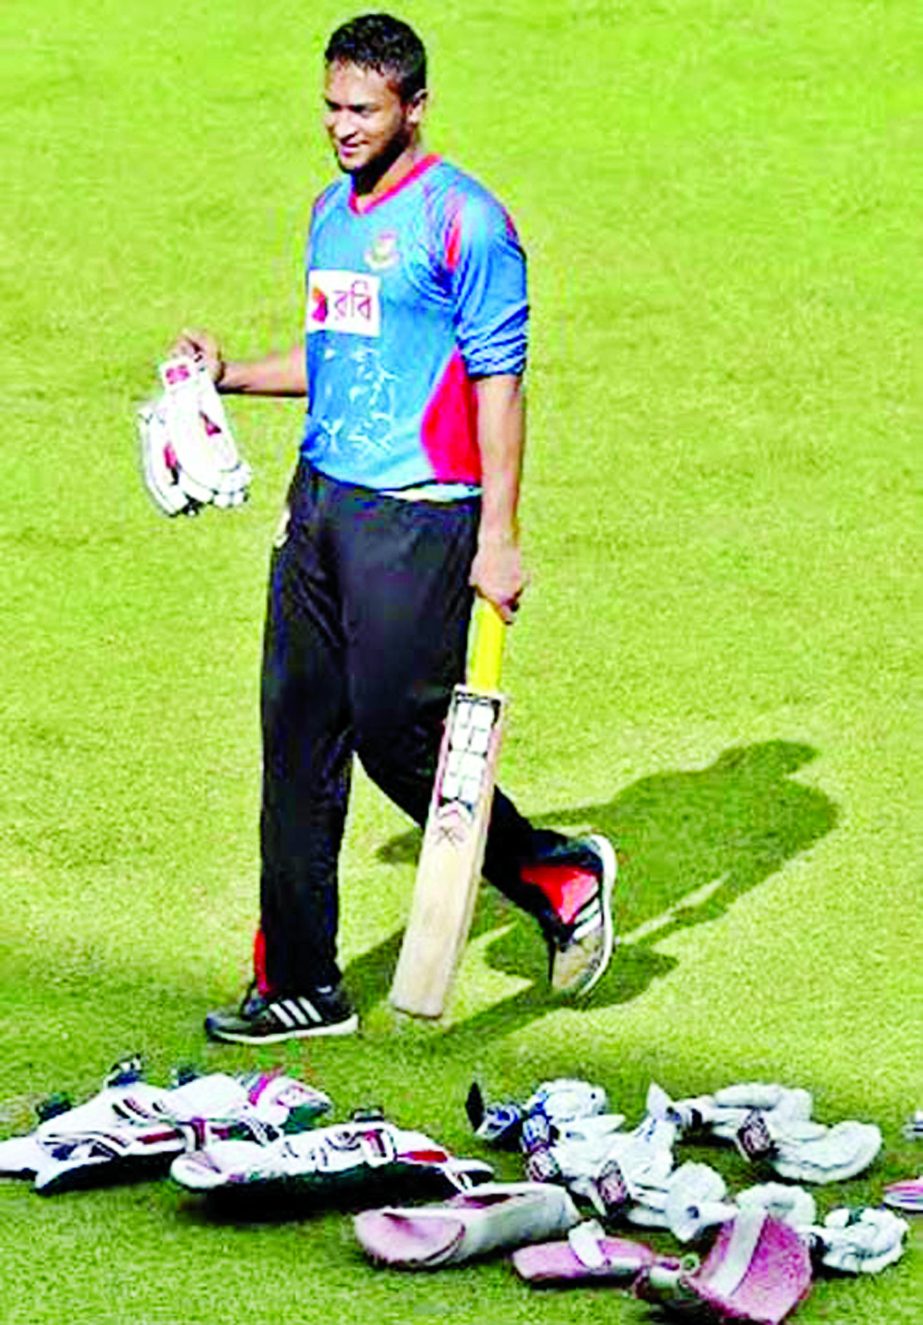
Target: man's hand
x: 203, y: 347
x: 275, y: 374
x: 497, y: 574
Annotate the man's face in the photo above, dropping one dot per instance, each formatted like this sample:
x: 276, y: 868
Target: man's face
x: 366, y: 119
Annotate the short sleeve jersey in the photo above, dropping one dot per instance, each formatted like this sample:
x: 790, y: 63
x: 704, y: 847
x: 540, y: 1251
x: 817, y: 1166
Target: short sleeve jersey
x: 407, y: 302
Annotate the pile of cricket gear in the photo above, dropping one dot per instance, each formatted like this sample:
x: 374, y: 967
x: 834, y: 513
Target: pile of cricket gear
x: 766, y: 1242
x: 265, y: 1139
x: 220, y: 1134
x: 189, y: 458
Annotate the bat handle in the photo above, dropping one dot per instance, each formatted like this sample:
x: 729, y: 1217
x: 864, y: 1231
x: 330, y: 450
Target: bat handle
x: 490, y: 633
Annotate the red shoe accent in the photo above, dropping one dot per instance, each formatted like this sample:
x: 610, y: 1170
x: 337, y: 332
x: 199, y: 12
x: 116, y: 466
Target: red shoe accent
x: 259, y: 963
x: 566, y: 887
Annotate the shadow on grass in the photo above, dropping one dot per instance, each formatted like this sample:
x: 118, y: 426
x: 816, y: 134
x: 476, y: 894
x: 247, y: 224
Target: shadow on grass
x: 689, y: 844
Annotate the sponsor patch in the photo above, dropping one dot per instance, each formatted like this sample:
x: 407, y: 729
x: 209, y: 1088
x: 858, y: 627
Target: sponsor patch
x: 345, y: 301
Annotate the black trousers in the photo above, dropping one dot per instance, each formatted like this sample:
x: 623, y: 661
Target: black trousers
x: 366, y: 633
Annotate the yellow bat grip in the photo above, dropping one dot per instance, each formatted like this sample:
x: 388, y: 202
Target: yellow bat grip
x: 490, y: 633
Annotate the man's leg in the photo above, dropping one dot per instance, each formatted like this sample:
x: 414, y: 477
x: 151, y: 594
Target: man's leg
x: 404, y: 568
x: 307, y: 749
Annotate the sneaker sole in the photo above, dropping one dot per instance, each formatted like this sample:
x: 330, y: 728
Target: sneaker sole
x: 347, y: 1027
x: 610, y: 872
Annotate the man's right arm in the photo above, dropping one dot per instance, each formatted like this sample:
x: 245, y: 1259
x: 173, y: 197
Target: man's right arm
x: 274, y: 375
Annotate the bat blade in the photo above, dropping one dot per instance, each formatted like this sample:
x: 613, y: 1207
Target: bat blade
x: 452, y: 854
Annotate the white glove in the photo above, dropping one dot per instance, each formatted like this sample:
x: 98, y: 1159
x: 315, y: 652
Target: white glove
x: 609, y: 1168
x: 188, y: 454
x: 792, y: 1205
x: 687, y: 1201
x: 833, y: 1154
x: 566, y: 1102
x: 773, y: 1123
x: 860, y: 1241
x: 158, y: 462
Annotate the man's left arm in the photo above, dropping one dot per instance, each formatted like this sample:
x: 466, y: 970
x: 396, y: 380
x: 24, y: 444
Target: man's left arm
x: 497, y: 572
x: 488, y: 271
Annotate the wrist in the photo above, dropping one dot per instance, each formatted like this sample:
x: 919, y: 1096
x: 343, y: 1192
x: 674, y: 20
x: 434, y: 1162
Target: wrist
x: 498, y: 536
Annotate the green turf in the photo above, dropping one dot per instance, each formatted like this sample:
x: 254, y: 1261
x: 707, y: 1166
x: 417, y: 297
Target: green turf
x: 718, y: 663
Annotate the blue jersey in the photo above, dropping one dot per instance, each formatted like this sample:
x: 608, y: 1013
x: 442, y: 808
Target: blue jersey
x: 407, y: 302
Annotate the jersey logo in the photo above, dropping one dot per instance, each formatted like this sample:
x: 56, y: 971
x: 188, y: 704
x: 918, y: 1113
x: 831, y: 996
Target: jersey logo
x: 345, y: 301
x: 382, y: 254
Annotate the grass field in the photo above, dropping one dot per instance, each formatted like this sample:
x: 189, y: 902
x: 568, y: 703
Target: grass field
x: 719, y: 658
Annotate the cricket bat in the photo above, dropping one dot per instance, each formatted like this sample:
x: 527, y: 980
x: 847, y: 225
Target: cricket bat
x: 449, y: 869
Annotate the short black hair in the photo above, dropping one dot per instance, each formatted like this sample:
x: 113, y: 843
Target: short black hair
x: 385, y: 44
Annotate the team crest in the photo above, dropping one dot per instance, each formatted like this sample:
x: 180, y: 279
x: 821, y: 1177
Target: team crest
x: 382, y: 254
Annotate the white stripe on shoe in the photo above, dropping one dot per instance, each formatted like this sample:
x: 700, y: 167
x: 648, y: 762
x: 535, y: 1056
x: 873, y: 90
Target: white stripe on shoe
x: 588, y: 919
x: 281, y: 1013
x: 604, y: 899
x: 291, y: 1006
x: 310, y: 1009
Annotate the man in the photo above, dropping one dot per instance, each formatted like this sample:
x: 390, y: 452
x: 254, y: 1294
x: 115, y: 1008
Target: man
x: 402, y: 506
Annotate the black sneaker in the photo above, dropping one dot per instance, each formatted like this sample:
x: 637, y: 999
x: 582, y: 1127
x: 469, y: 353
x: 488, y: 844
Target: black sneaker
x: 268, y: 1018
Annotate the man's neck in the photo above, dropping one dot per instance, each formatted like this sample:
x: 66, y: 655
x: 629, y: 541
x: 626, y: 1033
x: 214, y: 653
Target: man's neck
x: 367, y: 186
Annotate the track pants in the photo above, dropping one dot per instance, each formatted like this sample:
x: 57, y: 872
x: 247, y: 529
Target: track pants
x: 366, y: 633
